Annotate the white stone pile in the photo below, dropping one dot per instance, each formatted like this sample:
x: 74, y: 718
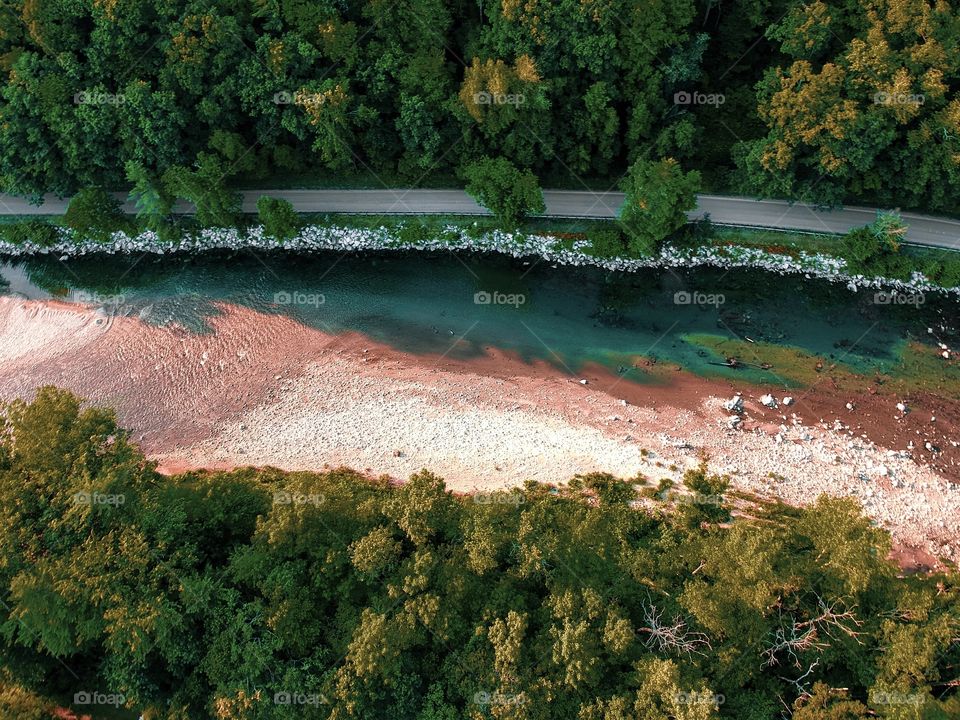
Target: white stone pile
x: 341, y: 238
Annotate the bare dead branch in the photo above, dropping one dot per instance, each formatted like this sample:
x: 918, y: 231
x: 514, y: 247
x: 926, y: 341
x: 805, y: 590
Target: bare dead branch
x: 794, y: 636
x: 671, y: 637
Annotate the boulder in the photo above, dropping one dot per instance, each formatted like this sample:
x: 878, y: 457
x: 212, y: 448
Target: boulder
x: 734, y: 404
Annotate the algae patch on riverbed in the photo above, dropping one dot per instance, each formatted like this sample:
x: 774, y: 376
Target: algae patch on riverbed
x: 913, y: 367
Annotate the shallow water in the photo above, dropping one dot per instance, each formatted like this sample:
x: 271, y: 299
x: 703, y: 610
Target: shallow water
x: 458, y: 305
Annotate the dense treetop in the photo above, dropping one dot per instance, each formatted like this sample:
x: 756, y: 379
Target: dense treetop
x: 823, y: 101
x: 237, y: 595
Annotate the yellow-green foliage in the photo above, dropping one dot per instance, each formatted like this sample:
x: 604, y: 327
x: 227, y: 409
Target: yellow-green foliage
x: 216, y: 593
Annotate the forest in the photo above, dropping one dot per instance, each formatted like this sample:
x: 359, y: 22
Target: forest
x: 263, y: 594
x: 828, y: 101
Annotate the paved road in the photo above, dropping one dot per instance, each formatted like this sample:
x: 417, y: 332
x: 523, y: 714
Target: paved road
x: 723, y: 210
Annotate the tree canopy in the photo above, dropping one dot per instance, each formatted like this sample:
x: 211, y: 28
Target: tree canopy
x: 822, y: 101
x: 658, y: 195
x: 510, y: 194
x: 263, y: 594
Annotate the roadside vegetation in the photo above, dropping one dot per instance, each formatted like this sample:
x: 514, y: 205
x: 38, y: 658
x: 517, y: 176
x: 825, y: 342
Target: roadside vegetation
x: 652, y: 222
x: 263, y: 594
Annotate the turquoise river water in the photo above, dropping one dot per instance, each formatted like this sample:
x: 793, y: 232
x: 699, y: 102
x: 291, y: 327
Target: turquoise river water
x: 567, y: 316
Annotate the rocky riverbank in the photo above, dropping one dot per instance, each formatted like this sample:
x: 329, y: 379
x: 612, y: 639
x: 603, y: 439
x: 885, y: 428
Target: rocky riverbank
x: 453, y: 237
x: 263, y: 389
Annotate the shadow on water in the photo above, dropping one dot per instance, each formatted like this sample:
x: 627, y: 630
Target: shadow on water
x: 459, y: 305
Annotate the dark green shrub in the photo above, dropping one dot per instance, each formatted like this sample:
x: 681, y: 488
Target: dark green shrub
x: 94, y: 214
x: 39, y: 232
x: 278, y: 218
x: 874, y: 249
x: 658, y: 196
x: 606, y: 242
x: 509, y: 193
x: 945, y: 272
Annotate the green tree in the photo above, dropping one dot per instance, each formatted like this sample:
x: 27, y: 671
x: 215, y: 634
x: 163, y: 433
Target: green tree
x: 706, y: 503
x: 278, y: 218
x: 15, y: 702
x: 152, y: 200
x: 874, y: 249
x: 94, y: 213
x: 868, y: 87
x: 103, y: 561
x: 509, y: 193
x: 216, y: 204
x: 658, y: 195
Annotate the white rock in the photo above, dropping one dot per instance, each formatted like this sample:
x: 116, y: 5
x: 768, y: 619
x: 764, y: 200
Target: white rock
x: 734, y: 405
x: 788, y: 400
x: 768, y: 400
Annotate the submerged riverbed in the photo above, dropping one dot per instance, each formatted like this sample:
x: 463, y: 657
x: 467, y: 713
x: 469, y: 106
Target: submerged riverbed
x: 459, y: 305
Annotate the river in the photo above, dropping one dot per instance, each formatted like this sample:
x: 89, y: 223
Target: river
x: 565, y: 316
x: 492, y: 371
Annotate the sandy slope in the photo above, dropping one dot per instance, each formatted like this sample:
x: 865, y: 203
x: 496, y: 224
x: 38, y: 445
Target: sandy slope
x: 38, y: 332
